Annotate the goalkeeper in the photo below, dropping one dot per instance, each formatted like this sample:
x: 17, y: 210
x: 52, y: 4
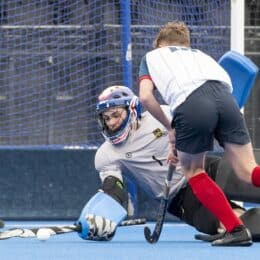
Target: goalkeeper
x: 136, y: 148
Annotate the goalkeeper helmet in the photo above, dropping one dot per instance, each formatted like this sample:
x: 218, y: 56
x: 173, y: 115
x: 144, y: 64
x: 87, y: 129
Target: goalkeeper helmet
x: 114, y: 97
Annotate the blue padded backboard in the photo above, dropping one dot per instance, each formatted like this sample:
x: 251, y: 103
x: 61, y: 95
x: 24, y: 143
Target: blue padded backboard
x: 242, y: 72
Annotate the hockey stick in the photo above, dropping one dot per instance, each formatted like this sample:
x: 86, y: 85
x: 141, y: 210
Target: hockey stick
x: 153, y: 237
x: 57, y: 230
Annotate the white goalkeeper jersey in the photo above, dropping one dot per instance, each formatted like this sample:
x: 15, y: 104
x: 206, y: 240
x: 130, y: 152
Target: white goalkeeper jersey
x: 134, y: 158
x: 178, y: 71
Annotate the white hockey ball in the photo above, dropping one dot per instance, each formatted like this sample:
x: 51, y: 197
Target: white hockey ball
x: 43, y: 234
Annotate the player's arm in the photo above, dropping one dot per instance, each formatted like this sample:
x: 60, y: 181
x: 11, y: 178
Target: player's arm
x: 149, y: 101
x: 104, y: 211
x: 147, y: 98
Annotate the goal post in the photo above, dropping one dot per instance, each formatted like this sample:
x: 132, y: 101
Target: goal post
x: 125, y: 17
x: 237, y: 26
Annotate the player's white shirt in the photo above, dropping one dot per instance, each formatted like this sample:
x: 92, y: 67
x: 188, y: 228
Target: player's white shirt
x: 134, y: 157
x: 178, y: 71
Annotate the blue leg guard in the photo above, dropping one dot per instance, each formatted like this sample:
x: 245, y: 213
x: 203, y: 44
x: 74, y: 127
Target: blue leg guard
x: 103, y: 205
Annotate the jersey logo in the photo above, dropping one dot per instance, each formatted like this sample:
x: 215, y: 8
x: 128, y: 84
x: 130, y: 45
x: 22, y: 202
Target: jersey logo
x: 173, y: 49
x: 128, y: 155
x: 158, y: 133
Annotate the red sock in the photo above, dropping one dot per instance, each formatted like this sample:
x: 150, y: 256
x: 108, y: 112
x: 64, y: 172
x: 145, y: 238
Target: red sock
x: 213, y: 198
x: 255, y: 177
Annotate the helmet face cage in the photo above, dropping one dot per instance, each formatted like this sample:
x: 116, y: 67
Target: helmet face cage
x: 118, y: 96
x: 102, y: 123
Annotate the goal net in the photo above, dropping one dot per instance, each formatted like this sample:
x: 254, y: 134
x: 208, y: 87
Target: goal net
x: 56, y: 56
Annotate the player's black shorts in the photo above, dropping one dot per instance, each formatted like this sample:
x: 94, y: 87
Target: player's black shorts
x: 209, y: 112
x: 188, y: 208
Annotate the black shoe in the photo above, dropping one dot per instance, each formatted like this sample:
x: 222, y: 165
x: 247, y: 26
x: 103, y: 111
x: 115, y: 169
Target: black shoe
x: 209, y: 238
x: 239, y: 236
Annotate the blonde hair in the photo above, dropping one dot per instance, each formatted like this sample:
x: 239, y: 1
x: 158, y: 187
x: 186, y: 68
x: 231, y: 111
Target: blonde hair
x: 172, y: 33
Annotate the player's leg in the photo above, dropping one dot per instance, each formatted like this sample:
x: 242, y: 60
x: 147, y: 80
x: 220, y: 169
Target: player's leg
x: 231, y: 131
x: 207, y: 191
x: 189, y: 209
x: 216, y: 167
x: 194, y: 135
x: 213, y: 198
x: 220, y: 171
x: 242, y: 159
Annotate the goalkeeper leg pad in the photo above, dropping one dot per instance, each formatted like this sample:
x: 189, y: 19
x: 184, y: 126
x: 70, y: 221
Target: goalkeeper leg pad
x: 102, y: 205
x: 251, y: 219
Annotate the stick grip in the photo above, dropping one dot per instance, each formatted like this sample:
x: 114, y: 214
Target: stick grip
x: 168, y: 179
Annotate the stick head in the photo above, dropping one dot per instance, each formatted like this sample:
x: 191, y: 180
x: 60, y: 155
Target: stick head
x: 151, y: 238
